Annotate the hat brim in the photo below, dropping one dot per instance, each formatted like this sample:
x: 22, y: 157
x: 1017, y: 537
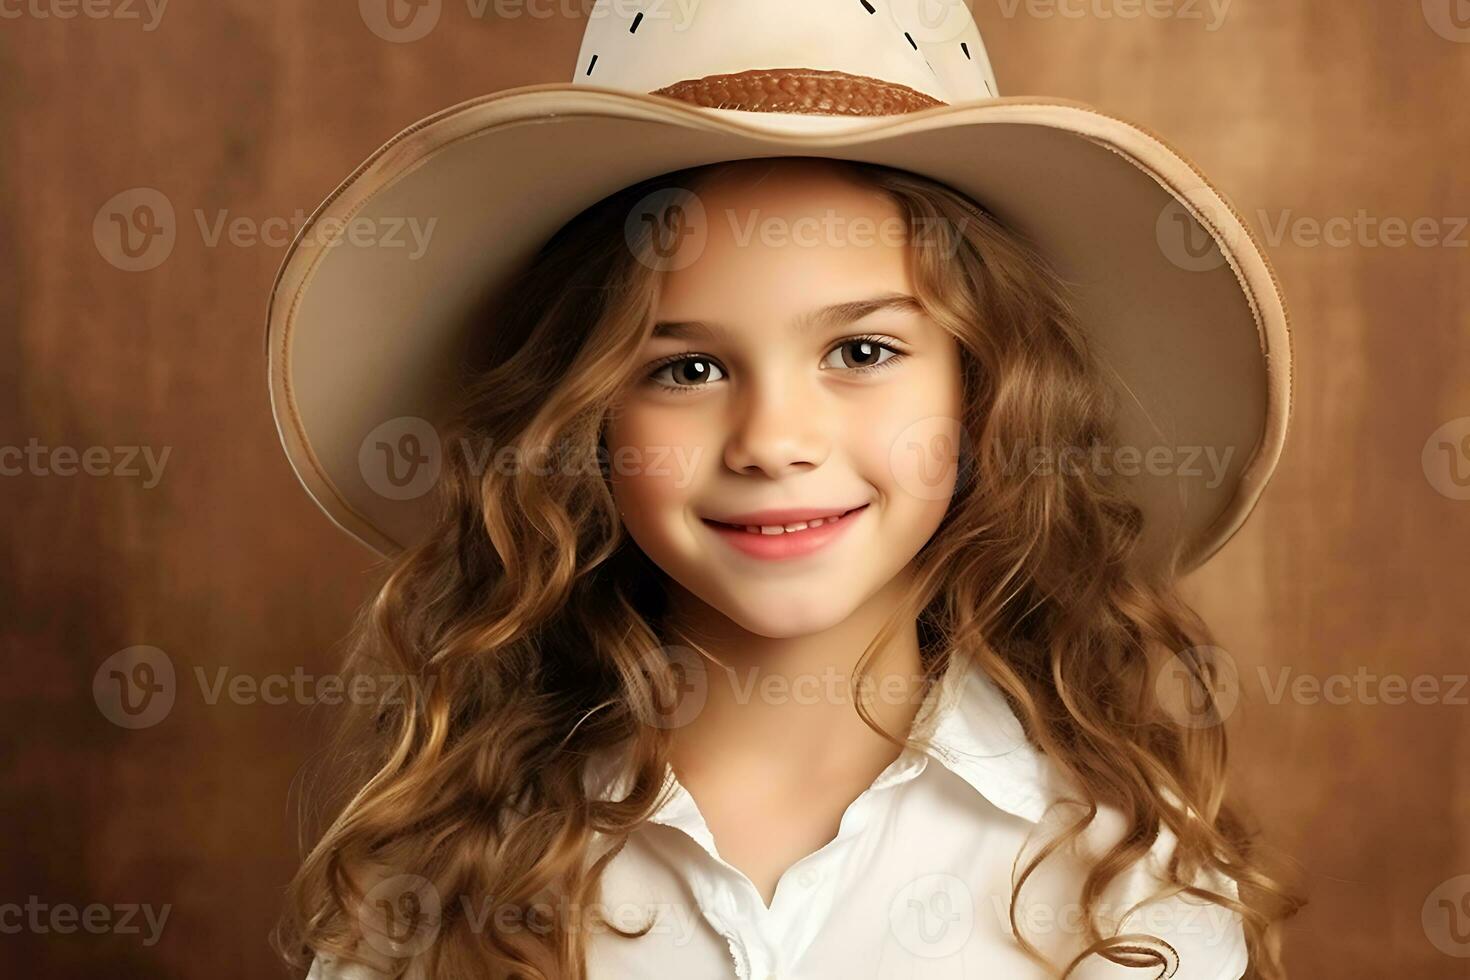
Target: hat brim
x: 1184, y: 306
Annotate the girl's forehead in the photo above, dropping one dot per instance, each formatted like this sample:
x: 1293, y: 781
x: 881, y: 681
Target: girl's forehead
x: 777, y: 248
x: 763, y: 295
x: 788, y: 191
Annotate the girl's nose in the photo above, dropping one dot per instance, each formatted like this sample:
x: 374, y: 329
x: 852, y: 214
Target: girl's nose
x: 778, y: 427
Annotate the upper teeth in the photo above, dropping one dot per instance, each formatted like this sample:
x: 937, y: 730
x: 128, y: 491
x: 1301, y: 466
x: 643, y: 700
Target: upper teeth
x: 785, y: 528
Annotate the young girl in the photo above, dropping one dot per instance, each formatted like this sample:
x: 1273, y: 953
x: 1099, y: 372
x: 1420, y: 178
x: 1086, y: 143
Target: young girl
x: 803, y: 631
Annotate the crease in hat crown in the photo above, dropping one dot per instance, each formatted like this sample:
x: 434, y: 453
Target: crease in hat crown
x: 803, y: 57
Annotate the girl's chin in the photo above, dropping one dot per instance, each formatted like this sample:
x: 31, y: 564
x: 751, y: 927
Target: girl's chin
x: 767, y: 613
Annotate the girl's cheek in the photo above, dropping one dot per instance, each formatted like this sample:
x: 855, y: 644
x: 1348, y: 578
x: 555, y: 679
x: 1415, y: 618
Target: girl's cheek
x: 923, y: 459
x: 655, y: 458
x: 912, y: 447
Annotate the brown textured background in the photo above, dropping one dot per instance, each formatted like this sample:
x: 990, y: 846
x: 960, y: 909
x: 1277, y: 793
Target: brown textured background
x: 1353, y: 561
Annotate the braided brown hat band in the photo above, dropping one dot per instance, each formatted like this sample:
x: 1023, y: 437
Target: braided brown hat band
x: 806, y: 90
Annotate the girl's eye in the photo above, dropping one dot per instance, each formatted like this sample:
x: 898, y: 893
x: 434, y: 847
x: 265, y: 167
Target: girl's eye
x: 857, y: 355
x: 687, y: 372
x: 865, y: 354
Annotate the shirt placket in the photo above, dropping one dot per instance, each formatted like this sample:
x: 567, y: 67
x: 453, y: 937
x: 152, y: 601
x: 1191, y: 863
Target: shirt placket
x: 766, y: 943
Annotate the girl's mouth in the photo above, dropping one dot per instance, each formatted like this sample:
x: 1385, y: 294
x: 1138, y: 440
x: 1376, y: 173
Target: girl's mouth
x: 785, y: 541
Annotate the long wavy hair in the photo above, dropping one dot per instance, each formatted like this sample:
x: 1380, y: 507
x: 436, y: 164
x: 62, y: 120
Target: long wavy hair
x: 528, y: 623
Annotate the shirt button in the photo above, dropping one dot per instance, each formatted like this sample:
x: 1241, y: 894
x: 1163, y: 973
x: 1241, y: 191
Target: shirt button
x: 808, y: 878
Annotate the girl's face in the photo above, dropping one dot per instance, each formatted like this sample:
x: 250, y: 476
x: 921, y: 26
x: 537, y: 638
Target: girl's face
x: 790, y: 370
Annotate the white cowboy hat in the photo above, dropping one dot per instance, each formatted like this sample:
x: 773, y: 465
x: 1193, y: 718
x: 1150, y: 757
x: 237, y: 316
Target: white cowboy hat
x: 366, y: 334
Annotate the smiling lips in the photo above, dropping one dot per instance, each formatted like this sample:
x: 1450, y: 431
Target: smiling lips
x: 786, y: 533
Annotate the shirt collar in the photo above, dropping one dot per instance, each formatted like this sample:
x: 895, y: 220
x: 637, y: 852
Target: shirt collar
x: 974, y: 734
x: 978, y: 737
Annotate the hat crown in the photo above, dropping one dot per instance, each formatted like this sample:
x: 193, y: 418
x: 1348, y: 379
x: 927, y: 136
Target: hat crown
x: 929, y: 46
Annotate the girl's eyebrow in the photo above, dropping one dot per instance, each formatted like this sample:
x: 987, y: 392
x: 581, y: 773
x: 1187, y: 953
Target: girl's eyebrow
x: 838, y: 314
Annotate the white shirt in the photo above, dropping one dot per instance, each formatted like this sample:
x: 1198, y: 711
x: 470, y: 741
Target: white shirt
x: 916, y: 884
